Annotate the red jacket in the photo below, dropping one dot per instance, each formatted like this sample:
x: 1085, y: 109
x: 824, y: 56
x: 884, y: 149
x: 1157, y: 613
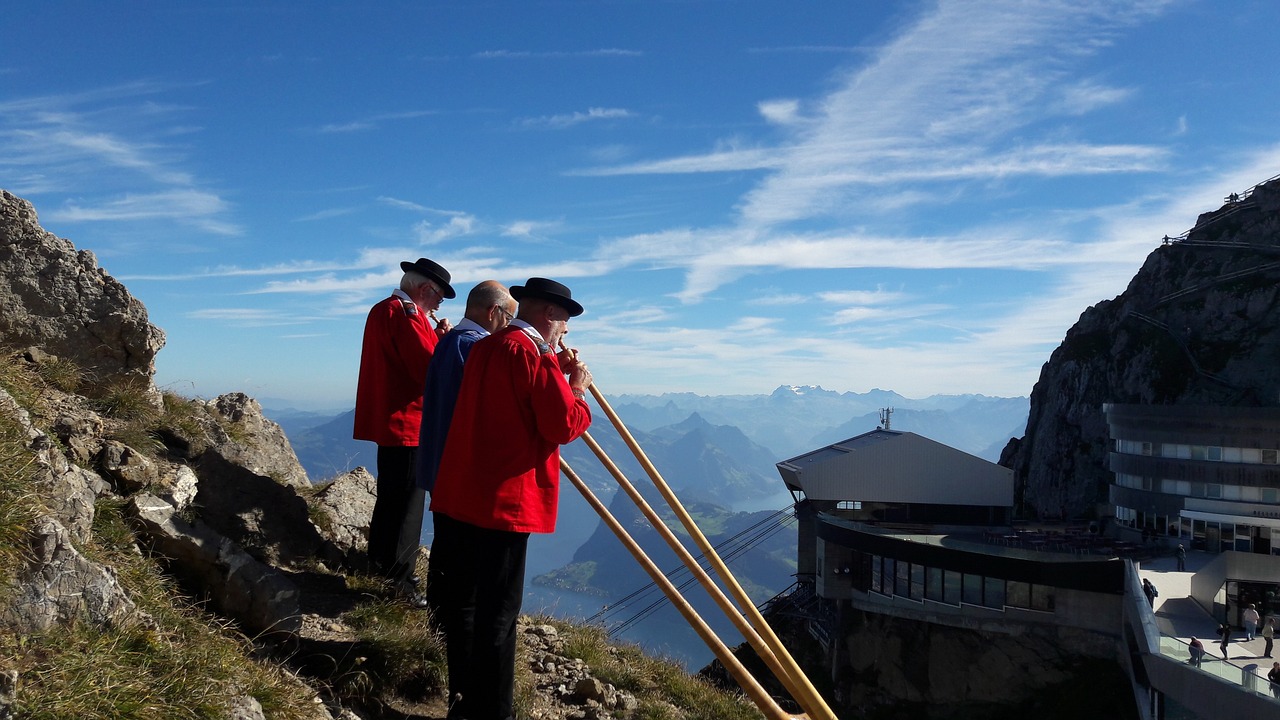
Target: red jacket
x: 501, y: 463
x: 398, y: 342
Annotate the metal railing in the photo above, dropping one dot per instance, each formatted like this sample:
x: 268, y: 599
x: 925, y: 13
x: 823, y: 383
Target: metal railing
x: 1251, y: 677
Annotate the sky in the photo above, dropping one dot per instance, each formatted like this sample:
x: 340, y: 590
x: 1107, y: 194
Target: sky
x: 913, y: 196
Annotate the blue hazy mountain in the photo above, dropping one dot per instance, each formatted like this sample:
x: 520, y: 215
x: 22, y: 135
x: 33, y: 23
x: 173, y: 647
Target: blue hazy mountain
x: 700, y: 437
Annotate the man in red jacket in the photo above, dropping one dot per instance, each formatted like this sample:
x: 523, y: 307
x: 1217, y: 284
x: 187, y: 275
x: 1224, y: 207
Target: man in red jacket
x: 398, y: 342
x: 498, y: 481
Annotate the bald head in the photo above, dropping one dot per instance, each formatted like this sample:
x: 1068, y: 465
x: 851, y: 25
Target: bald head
x: 490, y: 305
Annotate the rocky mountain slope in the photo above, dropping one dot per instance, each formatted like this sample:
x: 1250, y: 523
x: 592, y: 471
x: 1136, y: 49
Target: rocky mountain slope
x: 1199, y: 324
x: 164, y: 557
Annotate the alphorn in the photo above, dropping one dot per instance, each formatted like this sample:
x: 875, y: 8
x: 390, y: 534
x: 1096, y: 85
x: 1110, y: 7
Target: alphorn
x: 745, y: 679
x: 783, y: 665
x: 753, y: 638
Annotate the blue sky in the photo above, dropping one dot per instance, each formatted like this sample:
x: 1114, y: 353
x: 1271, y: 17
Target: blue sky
x: 916, y: 196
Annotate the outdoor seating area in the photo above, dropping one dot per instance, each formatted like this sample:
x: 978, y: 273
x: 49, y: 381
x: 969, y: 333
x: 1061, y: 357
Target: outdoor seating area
x: 1075, y: 539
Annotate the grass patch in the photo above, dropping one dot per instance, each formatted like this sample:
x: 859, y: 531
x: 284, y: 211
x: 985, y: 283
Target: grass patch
x: 405, y: 656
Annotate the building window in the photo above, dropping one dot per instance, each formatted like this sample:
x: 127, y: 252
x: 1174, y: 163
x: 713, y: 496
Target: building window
x: 1041, y: 598
x: 1270, y: 495
x: 993, y: 593
x: 902, y: 579
x: 1213, y: 490
x: 1017, y: 594
x: 1268, y: 457
x: 951, y: 582
x: 1214, y: 453
x: 917, y: 582
x: 973, y: 589
x: 933, y: 584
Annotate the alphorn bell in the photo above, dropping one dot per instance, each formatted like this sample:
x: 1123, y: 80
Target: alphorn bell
x: 745, y: 679
x: 766, y: 643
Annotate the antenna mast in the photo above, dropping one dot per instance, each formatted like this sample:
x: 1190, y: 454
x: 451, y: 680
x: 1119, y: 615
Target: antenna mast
x: 884, y: 417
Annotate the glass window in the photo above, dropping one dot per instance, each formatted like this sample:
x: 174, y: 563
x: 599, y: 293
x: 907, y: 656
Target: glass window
x: 1270, y: 495
x: 933, y: 583
x: 1228, y: 537
x: 1214, y: 452
x: 1268, y: 457
x: 1198, y: 452
x: 973, y: 589
x: 993, y: 593
x: 1146, y: 448
x: 917, y: 582
x: 1042, y: 598
x: 951, y: 581
x: 1018, y: 594
x: 1213, y: 490
x: 877, y: 576
x: 902, y: 583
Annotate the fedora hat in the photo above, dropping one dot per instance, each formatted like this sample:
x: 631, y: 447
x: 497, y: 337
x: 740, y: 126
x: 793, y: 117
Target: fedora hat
x: 432, y: 270
x: 536, y: 287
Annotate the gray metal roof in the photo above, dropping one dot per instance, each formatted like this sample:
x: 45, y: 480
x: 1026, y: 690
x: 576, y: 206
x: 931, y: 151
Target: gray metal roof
x: 894, y: 466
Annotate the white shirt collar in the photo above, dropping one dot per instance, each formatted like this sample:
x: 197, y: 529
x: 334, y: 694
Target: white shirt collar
x: 469, y: 324
x: 534, y: 335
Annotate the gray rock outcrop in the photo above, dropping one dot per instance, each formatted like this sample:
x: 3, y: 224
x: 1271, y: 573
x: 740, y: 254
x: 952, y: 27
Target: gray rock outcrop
x: 1198, y: 324
x: 57, y: 298
x: 255, y: 594
x: 346, y: 506
x: 58, y: 585
x: 260, y: 444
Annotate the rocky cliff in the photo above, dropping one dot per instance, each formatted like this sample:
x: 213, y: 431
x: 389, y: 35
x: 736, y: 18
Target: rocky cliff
x: 57, y: 298
x: 1198, y: 324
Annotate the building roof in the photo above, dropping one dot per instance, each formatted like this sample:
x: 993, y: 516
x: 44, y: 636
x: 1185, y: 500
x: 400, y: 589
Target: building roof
x: 897, y: 467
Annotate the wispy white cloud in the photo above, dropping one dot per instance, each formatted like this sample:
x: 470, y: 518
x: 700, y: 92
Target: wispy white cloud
x: 192, y: 207
x: 1086, y: 96
x: 528, y: 229
x: 115, y: 142
x: 403, y: 204
x: 560, y: 122
x: 371, y: 122
x: 779, y: 112
x: 250, y: 317
x: 554, y: 54
x: 428, y: 233
x: 327, y: 214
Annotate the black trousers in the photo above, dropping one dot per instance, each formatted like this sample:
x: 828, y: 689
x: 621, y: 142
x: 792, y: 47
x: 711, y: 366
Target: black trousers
x: 393, y: 539
x: 477, y: 581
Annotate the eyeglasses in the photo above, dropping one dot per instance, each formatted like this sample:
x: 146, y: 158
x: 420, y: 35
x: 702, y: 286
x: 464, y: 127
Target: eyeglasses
x: 508, y: 317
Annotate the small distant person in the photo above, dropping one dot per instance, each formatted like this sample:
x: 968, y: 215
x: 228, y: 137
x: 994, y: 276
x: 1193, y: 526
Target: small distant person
x: 499, y: 481
x: 1150, y: 591
x: 397, y: 346
x: 1273, y: 677
x: 1250, y: 618
x: 1269, y: 635
x: 490, y: 308
x: 1196, y: 649
x: 1224, y: 631
x: 1181, y: 554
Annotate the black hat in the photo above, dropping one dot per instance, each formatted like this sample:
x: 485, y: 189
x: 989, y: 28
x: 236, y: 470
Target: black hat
x: 551, y: 290
x: 432, y: 270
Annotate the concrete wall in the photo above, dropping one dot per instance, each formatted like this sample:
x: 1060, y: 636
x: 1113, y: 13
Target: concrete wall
x: 1232, y: 565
